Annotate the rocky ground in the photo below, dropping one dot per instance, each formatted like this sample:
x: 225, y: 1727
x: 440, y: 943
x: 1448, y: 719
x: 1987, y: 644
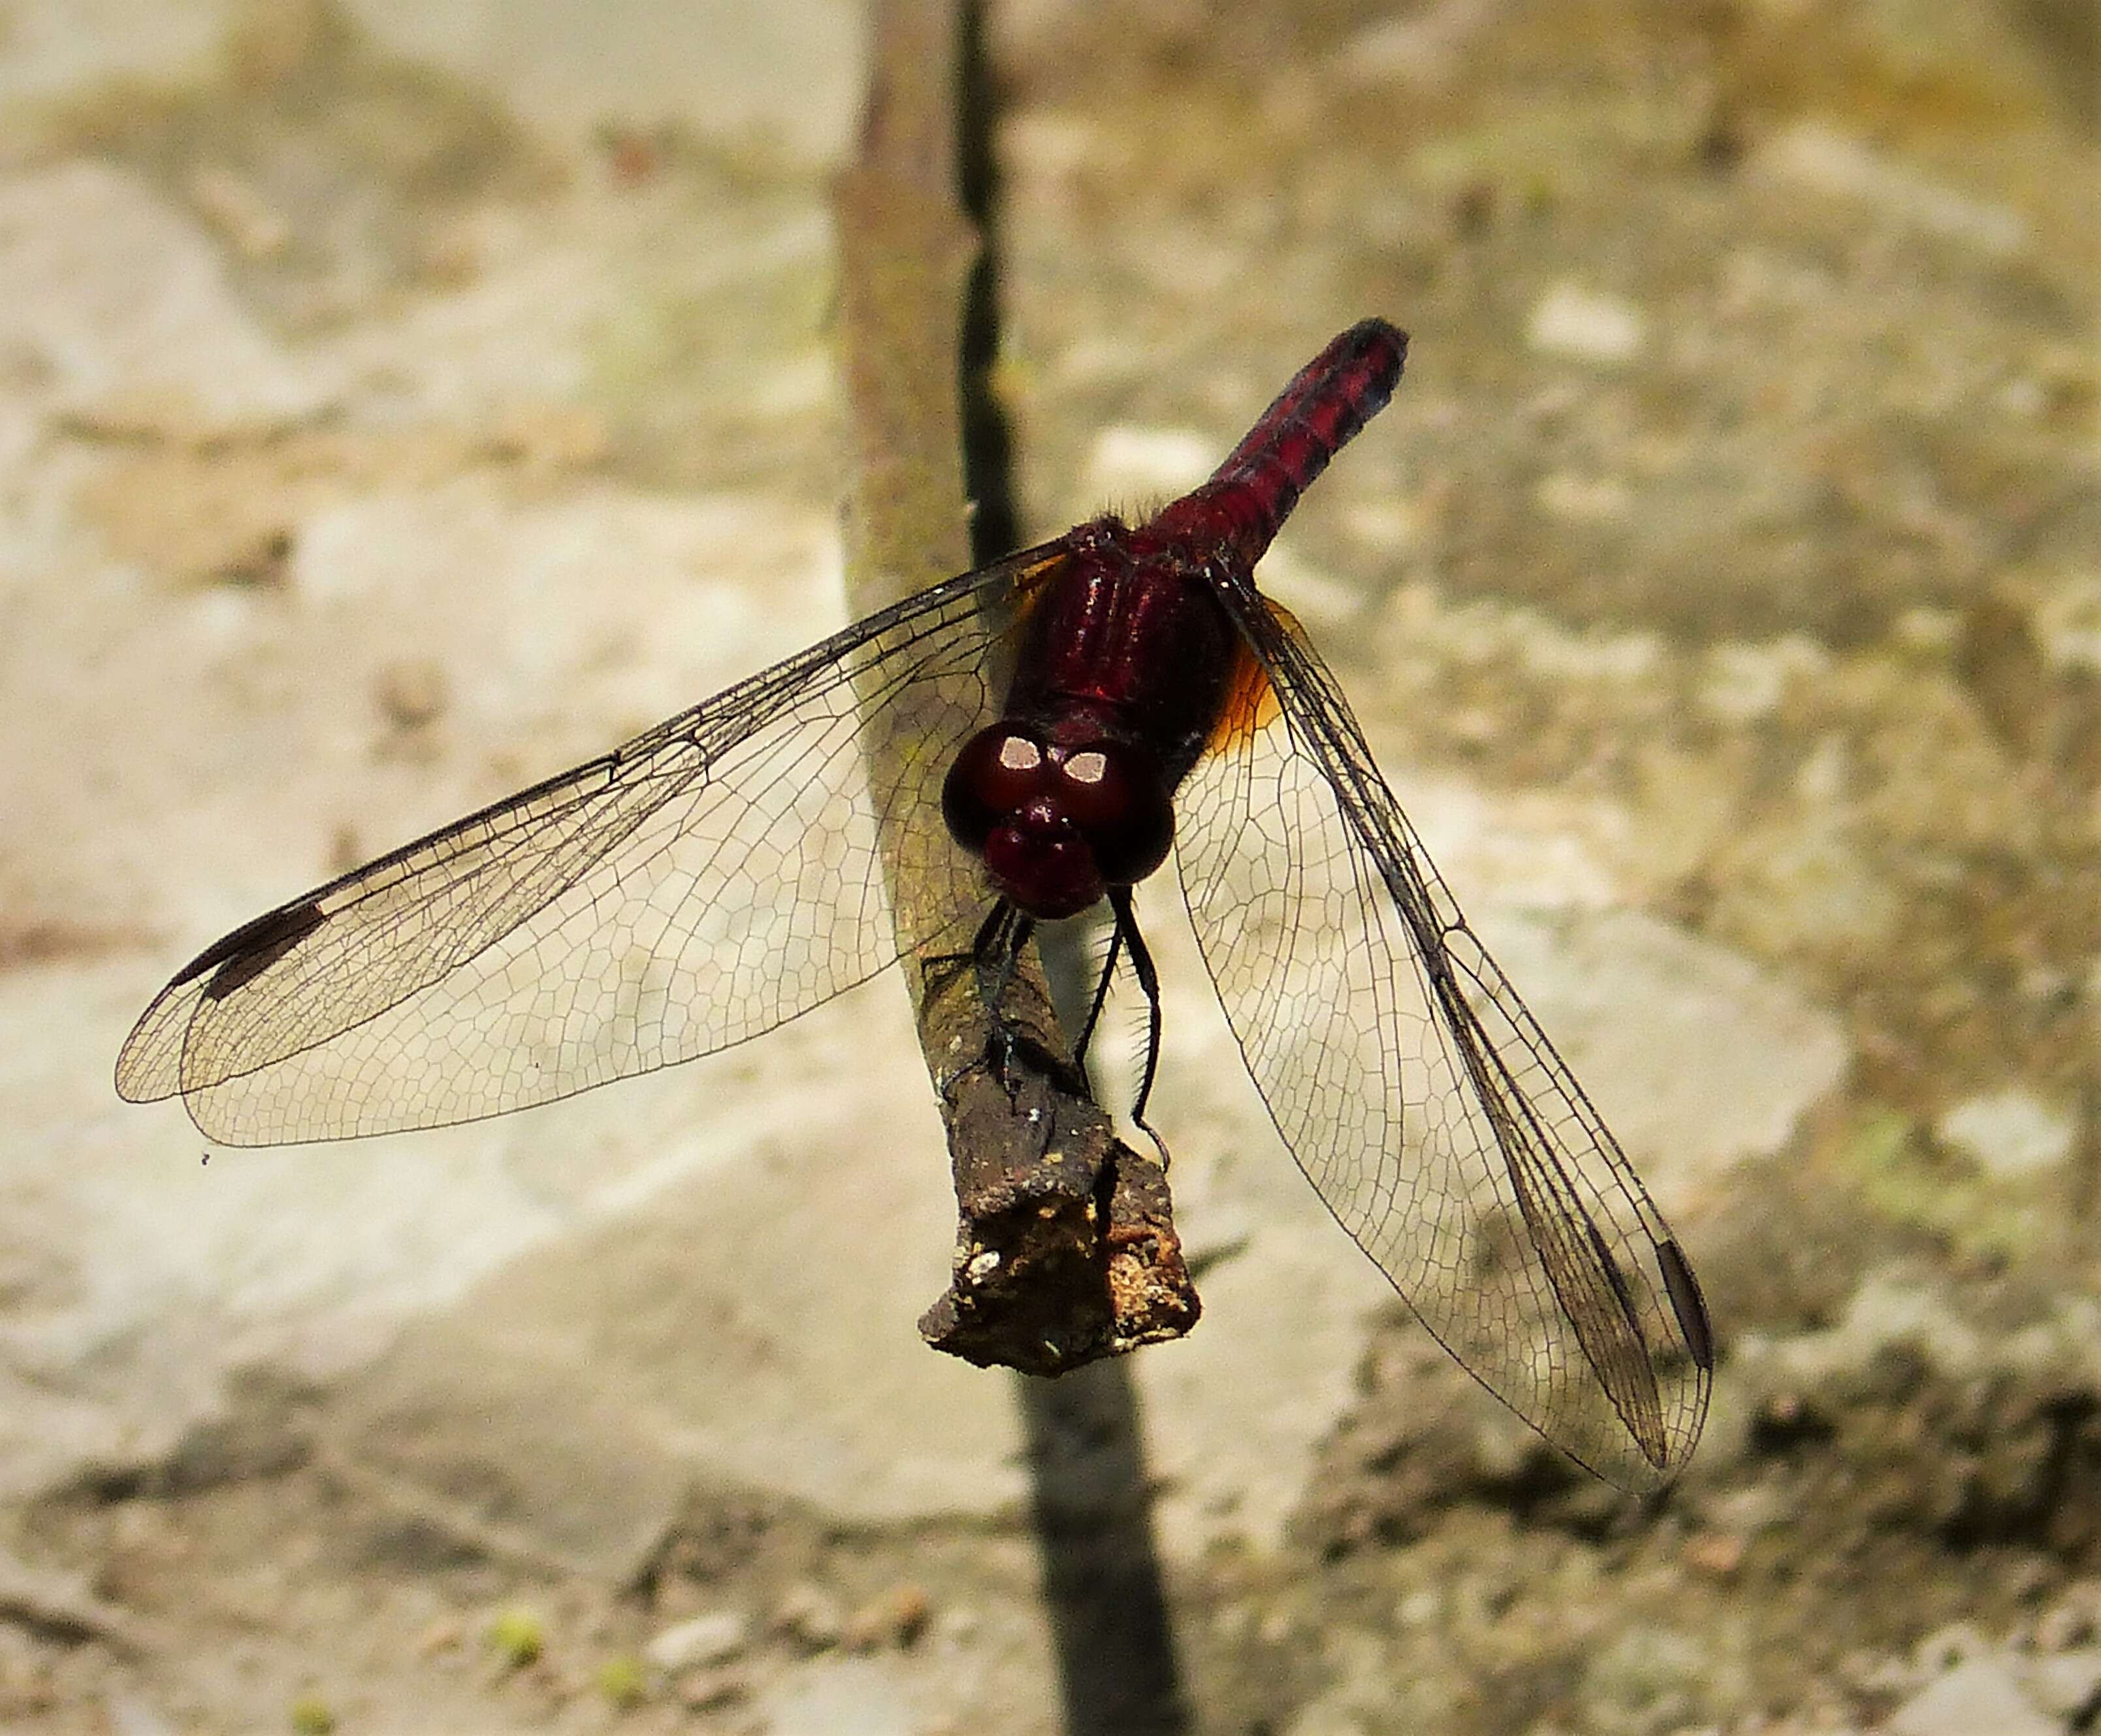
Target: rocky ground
x: 400, y: 402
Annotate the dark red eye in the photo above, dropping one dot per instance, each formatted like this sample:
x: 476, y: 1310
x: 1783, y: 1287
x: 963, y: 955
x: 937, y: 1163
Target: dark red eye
x: 1113, y: 791
x: 999, y: 772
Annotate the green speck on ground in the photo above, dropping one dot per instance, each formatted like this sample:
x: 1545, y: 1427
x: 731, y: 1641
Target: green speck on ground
x: 310, y: 1716
x: 623, y: 1681
x: 518, y: 1635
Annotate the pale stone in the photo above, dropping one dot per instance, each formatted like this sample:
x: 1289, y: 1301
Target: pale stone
x: 124, y: 305
x: 59, y: 46
x: 1583, y: 500
x: 1695, y: 1056
x: 2008, y: 1134
x: 1812, y: 155
x: 1978, y: 1694
x: 842, y: 1697
x: 722, y: 69
x: 1586, y: 325
x: 1134, y: 467
x: 712, y: 1638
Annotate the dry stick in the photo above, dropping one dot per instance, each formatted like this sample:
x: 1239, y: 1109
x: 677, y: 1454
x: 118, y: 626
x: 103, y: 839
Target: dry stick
x: 1066, y: 1249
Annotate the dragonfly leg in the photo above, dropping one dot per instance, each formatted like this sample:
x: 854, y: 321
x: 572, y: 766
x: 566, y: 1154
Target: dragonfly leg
x: 997, y: 952
x: 996, y: 955
x: 942, y: 968
x: 1148, y: 980
x: 1101, y: 998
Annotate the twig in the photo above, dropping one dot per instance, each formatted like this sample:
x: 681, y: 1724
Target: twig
x: 1066, y: 1249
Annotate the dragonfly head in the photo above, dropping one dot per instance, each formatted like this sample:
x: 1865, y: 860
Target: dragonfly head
x: 1057, y: 822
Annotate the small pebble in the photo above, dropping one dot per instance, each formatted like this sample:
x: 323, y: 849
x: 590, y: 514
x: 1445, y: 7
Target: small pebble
x: 1979, y: 1695
x: 2073, y: 1620
x: 896, y: 1618
x: 704, y: 1690
x: 1716, y: 1554
x: 1583, y: 500
x: 705, y: 1639
x: 552, y: 437
x: 1129, y: 463
x: 810, y: 1618
x: 1586, y: 326
x: 1810, y: 155
x: 2064, y: 1684
x: 412, y: 692
x: 2007, y: 1134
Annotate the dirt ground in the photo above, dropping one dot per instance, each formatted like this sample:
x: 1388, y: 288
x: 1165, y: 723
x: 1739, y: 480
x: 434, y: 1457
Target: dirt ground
x: 400, y: 404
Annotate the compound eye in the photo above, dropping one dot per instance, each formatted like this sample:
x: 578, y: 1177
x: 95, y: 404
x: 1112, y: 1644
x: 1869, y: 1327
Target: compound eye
x: 999, y: 771
x: 1113, y: 793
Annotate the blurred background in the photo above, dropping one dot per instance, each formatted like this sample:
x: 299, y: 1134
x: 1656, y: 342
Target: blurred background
x: 399, y: 402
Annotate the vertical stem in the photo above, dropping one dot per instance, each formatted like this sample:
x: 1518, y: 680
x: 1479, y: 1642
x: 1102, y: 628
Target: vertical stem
x: 1066, y: 1249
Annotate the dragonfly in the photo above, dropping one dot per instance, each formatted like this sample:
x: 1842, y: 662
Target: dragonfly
x: 1079, y: 712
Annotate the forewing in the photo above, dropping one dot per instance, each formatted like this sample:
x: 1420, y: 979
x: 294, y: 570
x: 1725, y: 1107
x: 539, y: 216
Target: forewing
x: 1415, y: 1091
x: 714, y: 877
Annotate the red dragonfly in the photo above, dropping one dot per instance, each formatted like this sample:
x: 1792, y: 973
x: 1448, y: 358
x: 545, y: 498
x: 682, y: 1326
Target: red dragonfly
x: 722, y: 874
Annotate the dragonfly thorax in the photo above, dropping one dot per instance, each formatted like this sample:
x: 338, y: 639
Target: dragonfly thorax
x: 1057, y: 823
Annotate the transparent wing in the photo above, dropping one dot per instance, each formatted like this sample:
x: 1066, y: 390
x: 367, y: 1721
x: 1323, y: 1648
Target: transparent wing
x: 1415, y: 1091
x: 712, y: 878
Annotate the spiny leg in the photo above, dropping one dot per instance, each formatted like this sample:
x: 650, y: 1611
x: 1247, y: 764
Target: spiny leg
x: 1148, y: 980
x: 1101, y: 997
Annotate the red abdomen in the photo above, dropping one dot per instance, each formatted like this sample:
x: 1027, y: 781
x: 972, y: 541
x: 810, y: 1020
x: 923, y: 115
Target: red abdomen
x: 1239, y: 512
